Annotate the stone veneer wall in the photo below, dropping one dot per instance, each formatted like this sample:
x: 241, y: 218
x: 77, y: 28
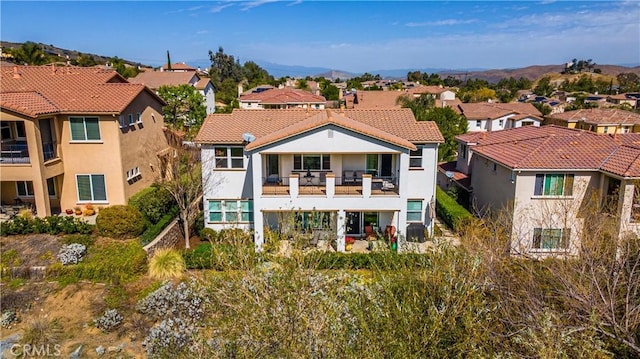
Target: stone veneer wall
x: 168, y: 238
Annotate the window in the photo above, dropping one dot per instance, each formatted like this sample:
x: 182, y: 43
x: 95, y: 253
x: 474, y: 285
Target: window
x: 5, y: 130
x: 414, y: 210
x: 495, y: 167
x: 317, y: 162
x: 415, y: 158
x: 84, y: 129
x: 314, y: 220
x: 553, y: 185
x: 372, y: 165
x: 229, y: 157
x: 606, y: 129
x: 122, y: 122
x: 500, y: 123
x: 51, y: 187
x: 133, y: 173
x: 463, y: 150
x: 91, y: 188
x: 138, y: 117
x: 551, y: 238
x: 527, y: 123
x: 625, y: 129
x: 478, y: 123
x: 230, y: 211
x: 25, y: 188
x: 131, y: 122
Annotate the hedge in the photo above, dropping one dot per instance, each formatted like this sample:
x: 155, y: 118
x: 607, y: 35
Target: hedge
x: 154, y: 203
x: 453, y: 214
x: 50, y: 225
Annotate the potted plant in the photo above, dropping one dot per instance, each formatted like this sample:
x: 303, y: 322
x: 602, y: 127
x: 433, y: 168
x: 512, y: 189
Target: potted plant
x: 69, y: 211
x: 348, y: 243
x: 89, y: 211
x: 77, y: 210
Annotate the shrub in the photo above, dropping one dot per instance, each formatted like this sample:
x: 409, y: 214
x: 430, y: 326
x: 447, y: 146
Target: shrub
x: 154, y: 230
x: 50, y: 225
x: 84, y: 239
x: 120, y: 222
x: 453, y: 214
x: 109, y: 321
x: 113, y: 262
x: 166, y: 264
x: 221, y: 256
x: 8, y: 318
x: 169, y: 338
x: 72, y: 253
x: 183, y: 300
x: 153, y: 202
x: 42, y: 332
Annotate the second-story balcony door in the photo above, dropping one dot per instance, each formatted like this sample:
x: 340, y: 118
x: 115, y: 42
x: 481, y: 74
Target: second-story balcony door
x: 273, y: 166
x: 386, y: 165
x: 48, y: 139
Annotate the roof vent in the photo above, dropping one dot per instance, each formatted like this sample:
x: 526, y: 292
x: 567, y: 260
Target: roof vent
x: 16, y: 74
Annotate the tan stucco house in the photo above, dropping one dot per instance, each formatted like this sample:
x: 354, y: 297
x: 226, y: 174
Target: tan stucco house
x: 599, y: 120
x: 73, y: 136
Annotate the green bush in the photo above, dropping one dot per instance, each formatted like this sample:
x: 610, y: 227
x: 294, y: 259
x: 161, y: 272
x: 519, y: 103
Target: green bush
x: 83, y: 239
x: 153, y: 202
x: 154, y: 230
x: 120, y: 222
x: 113, y: 262
x: 453, y: 214
x: 221, y: 256
x: 51, y: 225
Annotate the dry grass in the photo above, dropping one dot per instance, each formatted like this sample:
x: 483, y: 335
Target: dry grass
x: 166, y: 264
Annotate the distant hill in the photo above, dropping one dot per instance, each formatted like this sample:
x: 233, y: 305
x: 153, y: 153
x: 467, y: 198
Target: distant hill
x: 278, y: 70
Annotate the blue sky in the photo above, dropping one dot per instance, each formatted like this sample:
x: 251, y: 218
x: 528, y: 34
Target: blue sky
x: 354, y: 36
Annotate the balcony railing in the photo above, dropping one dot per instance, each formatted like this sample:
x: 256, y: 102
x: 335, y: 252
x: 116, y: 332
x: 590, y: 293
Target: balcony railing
x: 14, y: 153
x: 49, y: 150
x: 330, y: 186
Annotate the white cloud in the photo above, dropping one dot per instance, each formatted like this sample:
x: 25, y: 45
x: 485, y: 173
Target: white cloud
x: 218, y: 8
x: 447, y: 22
x: 251, y: 4
x: 202, y: 32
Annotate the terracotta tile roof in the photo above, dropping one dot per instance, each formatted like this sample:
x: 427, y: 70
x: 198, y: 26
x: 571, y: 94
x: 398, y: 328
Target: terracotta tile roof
x: 155, y: 79
x: 202, y: 83
x: 434, y: 90
x: 282, y: 96
x: 599, y: 116
x: 178, y: 66
x: 491, y: 110
x: 374, y: 99
x: 37, y: 90
x: 558, y: 148
x: 462, y: 179
x: 394, y: 126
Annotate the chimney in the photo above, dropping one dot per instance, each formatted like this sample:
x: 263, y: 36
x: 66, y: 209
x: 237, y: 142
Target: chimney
x: 16, y: 74
x: 239, y: 89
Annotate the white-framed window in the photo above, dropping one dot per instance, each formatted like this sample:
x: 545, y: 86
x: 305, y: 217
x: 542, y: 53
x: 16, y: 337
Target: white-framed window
x: 228, y: 157
x: 414, y: 210
x: 133, y: 173
x: 131, y: 120
x: 551, y: 238
x: 415, y: 158
x: 478, y: 123
x: 91, y: 187
x: 554, y: 184
x: 230, y: 211
x: 501, y: 123
x: 138, y: 117
x: 605, y: 129
x: 122, y: 122
x: 312, y: 162
x: 84, y: 128
x: 24, y: 188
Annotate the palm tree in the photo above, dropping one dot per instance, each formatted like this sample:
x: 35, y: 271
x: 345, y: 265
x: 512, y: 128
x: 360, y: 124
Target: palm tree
x: 30, y: 53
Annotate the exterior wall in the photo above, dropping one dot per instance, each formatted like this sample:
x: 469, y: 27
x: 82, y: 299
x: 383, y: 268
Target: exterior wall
x: 492, y: 190
x: 347, y: 149
x: 210, y: 98
x: 463, y: 160
x: 447, y: 95
x: 518, y: 123
x: 471, y: 126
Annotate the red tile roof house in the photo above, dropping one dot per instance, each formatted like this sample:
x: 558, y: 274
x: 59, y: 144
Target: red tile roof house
x: 155, y: 79
x: 488, y: 116
x: 599, y: 120
x: 73, y: 136
x: 544, y: 176
x: 285, y: 98
x: 347, y: 169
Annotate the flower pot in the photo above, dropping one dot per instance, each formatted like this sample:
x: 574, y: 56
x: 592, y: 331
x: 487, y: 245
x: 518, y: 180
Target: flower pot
x: 68, y: 211
x: 348, y: 247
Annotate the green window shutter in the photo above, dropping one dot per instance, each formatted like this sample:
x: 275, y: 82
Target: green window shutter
x: 99, y: 188
x: 84, y: 187
x: 93, y: 128
x: 77, y: 128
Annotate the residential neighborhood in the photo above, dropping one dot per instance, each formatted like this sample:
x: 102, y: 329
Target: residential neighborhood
x: 269, y: 195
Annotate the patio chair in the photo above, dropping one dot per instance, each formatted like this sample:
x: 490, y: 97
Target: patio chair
x: 387, y: 185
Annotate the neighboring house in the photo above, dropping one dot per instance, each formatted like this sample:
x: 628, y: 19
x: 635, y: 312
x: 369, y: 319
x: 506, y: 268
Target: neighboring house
x: 332, y: 172
x: 155, y: 79
x: 489, y: 116
x: 73, y: 136
x: 546, y: 179
x: 285, y: 98
x: 622, y: 99
x: 439, y: 93
x: 385, y: 99
x: 178, y: 67
x: 599, y: 120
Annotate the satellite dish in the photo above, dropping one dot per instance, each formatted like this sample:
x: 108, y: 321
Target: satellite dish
x: 449, y: 174
x: 248, y: 137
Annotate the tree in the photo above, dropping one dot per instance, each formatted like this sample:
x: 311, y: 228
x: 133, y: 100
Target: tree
x: 85, y: 60
x: 302, y: 84
x: 477, y: 95
x: 30, y: 53
x: 181, y: 171
x: 329, y: 91
x: 629, y: 82
x: 542, y: 107
x: 121, y: 68
x: 185, y: 109
x: 225, y: 73
x: 544, y: 87
x: 449, y: 122
x: 256, y: 75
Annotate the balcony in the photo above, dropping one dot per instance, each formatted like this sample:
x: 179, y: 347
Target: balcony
x: 14, y: 152
x: 327, y: 185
